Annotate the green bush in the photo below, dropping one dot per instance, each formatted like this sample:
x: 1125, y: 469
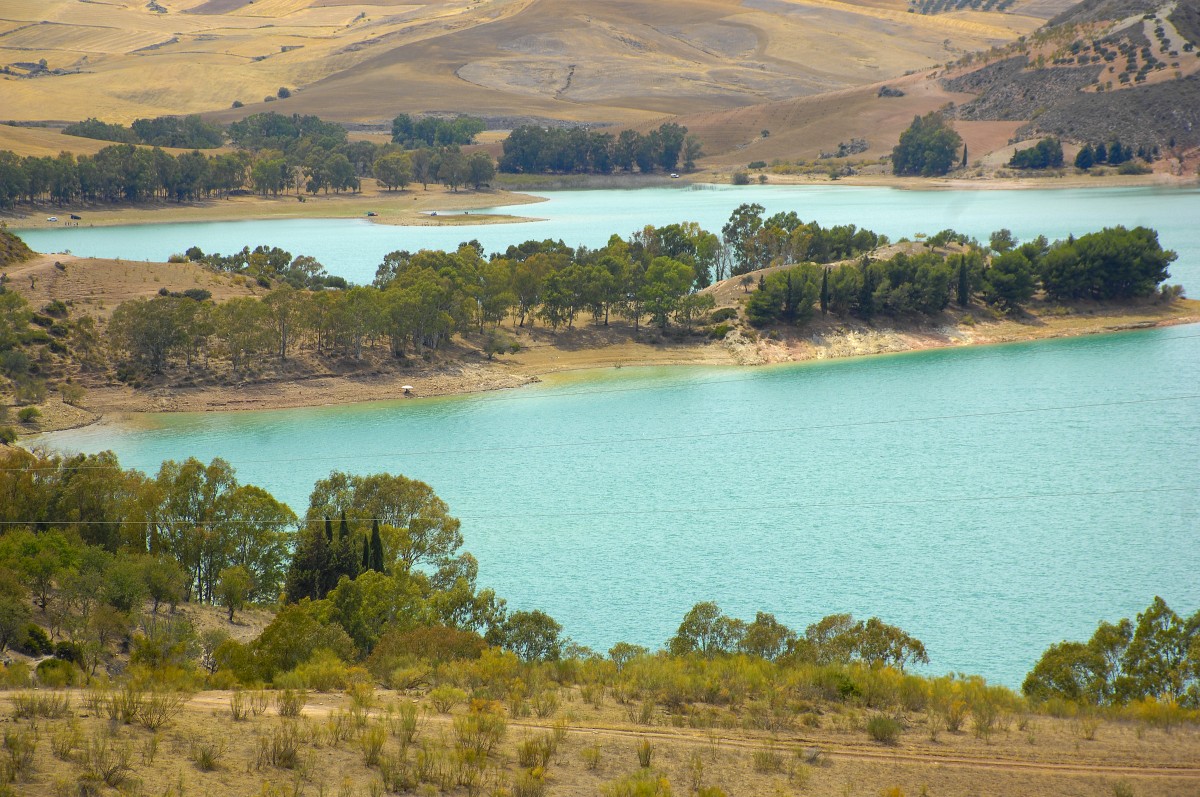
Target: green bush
x: 724, y: 314
x: 719, y: 331
x: 28, y: 414
x: 883, y: 729
x: 56, y: 673
x: 740, y: 178
x: 1134, y: 167
x: 34, y: 641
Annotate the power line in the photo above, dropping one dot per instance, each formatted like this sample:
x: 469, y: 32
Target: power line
x: 676, y: 437
x: 690, y: 510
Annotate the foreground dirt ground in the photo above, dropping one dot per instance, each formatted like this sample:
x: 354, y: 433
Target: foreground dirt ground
x: 830, y: 755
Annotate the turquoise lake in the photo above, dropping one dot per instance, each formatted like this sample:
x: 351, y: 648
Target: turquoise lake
x: 989, y: 500
x: 353, y: 248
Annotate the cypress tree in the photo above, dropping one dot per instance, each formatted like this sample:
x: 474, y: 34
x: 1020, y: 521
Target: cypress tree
x: 376, y: 548
x: 366, y: 557
x: 866, y: 296
x: 964, y: 284
x: 825, y: 291
x: 328, y: 530
x: 964, y: 160
x: 343, y: 527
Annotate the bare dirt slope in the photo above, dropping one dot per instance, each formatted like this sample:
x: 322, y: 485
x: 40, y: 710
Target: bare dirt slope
x: 604, y: 61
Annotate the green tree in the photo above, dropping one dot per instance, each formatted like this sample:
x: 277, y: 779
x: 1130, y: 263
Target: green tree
x: 533, y: 636
x: 928, y: 148
x: 1009, y: 281
x: 234, y: 585
x: 393, y: 170
x: 665, y: 284
x: 707, y: 631
x: 766, y: 637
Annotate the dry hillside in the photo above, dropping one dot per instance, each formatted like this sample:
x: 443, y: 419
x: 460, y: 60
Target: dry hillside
x: 604, y: 61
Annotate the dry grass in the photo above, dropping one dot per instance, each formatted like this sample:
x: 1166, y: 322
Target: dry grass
x: 585, y: 747
x: 613, y: 60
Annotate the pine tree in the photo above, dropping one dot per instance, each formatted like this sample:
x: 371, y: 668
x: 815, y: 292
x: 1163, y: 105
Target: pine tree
x: 376, y: 548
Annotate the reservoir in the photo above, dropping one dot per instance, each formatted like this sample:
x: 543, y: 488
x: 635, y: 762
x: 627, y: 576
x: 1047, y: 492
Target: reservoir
x: 990, y: 501
x: 353, y: 248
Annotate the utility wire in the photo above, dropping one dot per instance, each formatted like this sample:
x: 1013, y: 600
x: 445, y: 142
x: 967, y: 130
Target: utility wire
x: 691, y: 510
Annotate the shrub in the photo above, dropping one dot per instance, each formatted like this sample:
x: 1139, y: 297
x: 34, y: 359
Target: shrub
x: 767, y: 760
x: 639, y: 784
x: 281, y: 748
x: 28, y: 414
x: 740, y: 178
x: 289, y: 702
x: 645, y: 751
x: 8, y: 435
x: 207, y: 754
x: 724, y: 314
x: 757, y: 165
x: 883, y: 729
x: 591, y: 757
x: 478, y: 733
x: 371, y: 743
x: 51, y: 705
x: 34, y: 641
x: 719, y: 331
x: 1134, y: 167
x: 56, y: 673
x: 445, y: 698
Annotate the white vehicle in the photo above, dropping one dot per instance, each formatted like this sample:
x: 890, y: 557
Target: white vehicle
x: 674, y: 176
x: 52, y: 218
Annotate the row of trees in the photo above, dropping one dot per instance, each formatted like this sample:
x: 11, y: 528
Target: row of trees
x: 1046, y: 154
x: 1113, y: 264
x: 535, y: 150
x: 125, y: 173
x: 434, y: 131
x: 276, y: 154
x: 836, y: 639
x: 182, y: 132
x: 1156, y: 657
x: 120, y: 173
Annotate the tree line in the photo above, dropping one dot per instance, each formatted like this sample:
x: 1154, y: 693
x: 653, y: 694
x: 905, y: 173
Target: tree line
x: 1114, y: 264
x: 181, y: 132
x: 1155, y: 657
x: 276, y: 154
x: 531, y: 149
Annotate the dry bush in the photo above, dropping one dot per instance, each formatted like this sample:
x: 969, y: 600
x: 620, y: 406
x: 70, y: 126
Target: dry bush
x: 371, y: 743
x: 51, y: 705
x: 591, y: 757
x: 65, y: 739
x: 406, y: 725
x: 105, y: 761
x: 20, y: 746
x: 289, y: 702
x: 479, y: 732
x: 207, y: 754
x: 767, y: 760
x: 281, y: 747
x: 645, y: 752
x: 445, y: 698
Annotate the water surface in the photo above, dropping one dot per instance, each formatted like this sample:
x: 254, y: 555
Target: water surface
x: 990, y: 500
x: 353, y: 248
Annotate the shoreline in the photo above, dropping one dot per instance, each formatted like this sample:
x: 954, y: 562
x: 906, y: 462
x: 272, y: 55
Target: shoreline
x: 410, y: 207
x: 418, y: 208
x: 531, y: 365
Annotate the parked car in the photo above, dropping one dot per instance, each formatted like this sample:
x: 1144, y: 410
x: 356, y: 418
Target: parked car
x: 674, y: 176
x: 52, y: 218
x: 75, y: 218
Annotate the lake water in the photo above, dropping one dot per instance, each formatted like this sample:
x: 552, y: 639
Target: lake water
x: 990, y: 501
x: 353, y: 248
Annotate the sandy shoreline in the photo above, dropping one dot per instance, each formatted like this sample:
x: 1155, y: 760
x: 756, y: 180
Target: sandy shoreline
x: 539, y: 359
x: 418, y: 208
x: 412, y: 207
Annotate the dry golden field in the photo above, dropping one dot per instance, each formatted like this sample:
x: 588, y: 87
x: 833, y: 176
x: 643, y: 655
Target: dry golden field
x: 616, y: 61
x: 347, y: 744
